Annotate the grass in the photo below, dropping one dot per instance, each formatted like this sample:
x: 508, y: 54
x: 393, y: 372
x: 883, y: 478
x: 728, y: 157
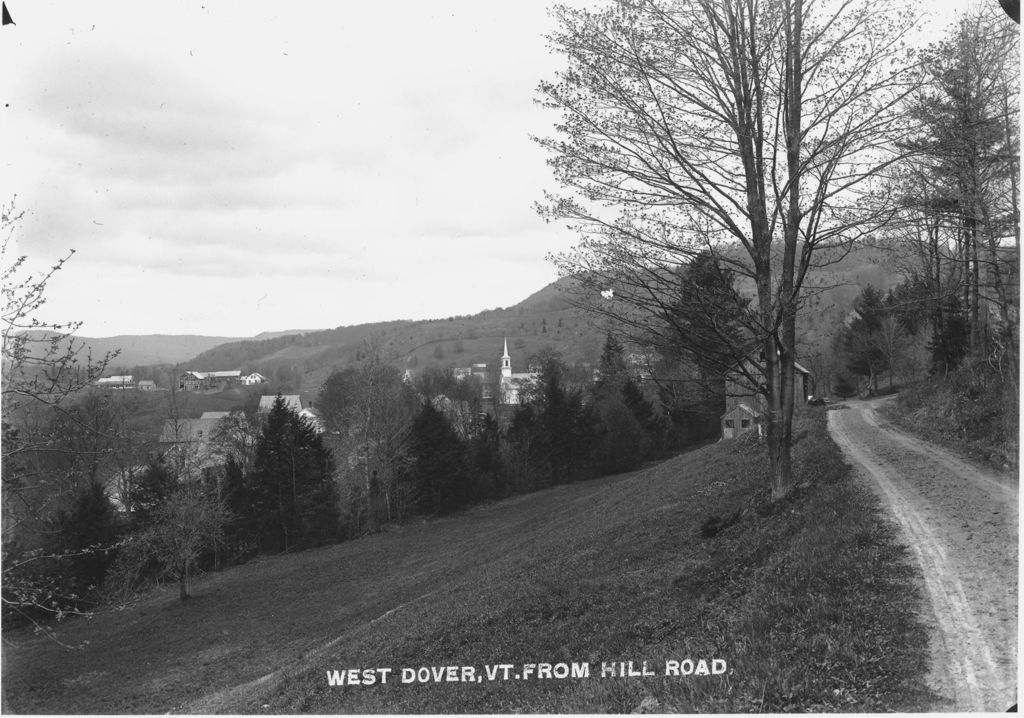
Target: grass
x: 811, y: 602
x: 972, y: 410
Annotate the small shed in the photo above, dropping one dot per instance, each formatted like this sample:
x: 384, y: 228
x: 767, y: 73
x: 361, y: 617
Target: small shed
x: 738, y: 421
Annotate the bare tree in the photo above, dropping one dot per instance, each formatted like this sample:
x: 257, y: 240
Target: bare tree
x: 750, y: 128
x: 44, y: 371
x: 236, y: 435
x: 190, y: 522
x: 368, y: 412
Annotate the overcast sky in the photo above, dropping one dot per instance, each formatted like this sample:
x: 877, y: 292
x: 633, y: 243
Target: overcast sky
x: 229, y: 168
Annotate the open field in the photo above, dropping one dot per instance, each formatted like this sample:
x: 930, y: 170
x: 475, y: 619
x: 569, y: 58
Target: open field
x: 813, y: 607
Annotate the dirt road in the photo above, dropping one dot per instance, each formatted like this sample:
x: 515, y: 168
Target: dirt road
x: 960, y: 522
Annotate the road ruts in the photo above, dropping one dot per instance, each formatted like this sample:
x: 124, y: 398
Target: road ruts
x: 960, y: 522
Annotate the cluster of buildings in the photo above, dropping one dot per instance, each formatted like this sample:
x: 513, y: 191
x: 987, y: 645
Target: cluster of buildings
x: 743, y: 410
x: 218, y: 380
x: 200, y: 441
x: 209, y: 381
x: 511, y: 386
x: 743, y: 406
x: 125, y: 382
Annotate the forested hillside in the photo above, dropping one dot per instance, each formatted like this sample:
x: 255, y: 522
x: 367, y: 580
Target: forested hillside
x: 545, y: 319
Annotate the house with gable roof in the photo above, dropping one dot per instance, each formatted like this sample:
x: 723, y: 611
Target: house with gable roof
x: 744, y: 407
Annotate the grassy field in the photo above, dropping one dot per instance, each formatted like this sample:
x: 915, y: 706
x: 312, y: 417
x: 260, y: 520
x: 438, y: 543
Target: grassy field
x: 810, y: 603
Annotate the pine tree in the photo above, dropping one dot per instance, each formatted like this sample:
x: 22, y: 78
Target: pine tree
x: 152, y: 487
x: 87, y: 533
x: 861, y: 340
x: 294, y: 498
x: 612, y: 370
x: 438, y: 460
x: 486, y: 469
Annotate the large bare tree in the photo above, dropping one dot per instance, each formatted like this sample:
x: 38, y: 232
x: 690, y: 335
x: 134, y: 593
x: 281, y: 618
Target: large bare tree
x: 753, y: 129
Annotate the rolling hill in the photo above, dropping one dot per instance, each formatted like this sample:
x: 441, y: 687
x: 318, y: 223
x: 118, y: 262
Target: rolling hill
x: 137, y: 350
x: 546, y: 318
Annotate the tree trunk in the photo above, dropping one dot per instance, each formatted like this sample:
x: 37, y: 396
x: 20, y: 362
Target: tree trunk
x: 1008, y: 332
x: 973, y: 280
x: 783, y: 358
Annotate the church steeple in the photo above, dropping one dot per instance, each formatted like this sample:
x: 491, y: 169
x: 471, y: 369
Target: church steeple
x: 506, y: 362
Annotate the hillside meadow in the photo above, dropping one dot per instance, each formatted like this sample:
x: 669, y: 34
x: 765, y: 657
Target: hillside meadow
x: 810, y: 603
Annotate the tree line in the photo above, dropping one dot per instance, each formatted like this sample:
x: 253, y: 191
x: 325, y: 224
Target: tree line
x: 434, y: 445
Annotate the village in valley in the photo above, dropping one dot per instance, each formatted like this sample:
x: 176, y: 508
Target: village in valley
x: 201, y: 438
x: 751, y: 445
x: 493, y: 390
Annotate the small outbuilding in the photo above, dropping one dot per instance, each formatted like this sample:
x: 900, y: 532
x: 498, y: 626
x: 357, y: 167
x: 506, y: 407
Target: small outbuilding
x: 738, y: 420
x: 744, y: 407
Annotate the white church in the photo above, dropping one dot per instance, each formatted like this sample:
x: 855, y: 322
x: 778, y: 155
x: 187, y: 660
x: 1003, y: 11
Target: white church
x: 511, y: 386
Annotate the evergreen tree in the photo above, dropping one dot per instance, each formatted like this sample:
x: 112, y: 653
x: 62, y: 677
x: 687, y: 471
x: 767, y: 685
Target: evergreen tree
x: 87, y: 534
x: 566, y: 429
x: 240, y: 529
x: 861, y: 342
x: 438, y: 459
x: 652, y: 424
x: 623, y: 442
x: 152, y: 488
x: 707, y: 321
x: 294, y: 498
x: 612, y: 371
x: 486, y: 469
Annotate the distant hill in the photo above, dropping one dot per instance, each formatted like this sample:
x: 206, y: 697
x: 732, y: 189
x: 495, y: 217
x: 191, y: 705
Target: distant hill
x: 544, y: 319
x: 138, y: 350
x: 832, y: 287
x: 146, y: 349
x: 286, y: 332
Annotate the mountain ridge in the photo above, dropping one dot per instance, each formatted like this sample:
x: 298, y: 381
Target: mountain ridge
x: 547, y: 318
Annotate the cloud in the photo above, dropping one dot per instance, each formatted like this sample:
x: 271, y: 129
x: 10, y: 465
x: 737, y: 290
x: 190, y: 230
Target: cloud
x: 357, y: 150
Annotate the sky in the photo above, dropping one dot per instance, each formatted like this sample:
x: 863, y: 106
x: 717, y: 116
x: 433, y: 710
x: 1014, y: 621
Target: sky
x: 228, y: 168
